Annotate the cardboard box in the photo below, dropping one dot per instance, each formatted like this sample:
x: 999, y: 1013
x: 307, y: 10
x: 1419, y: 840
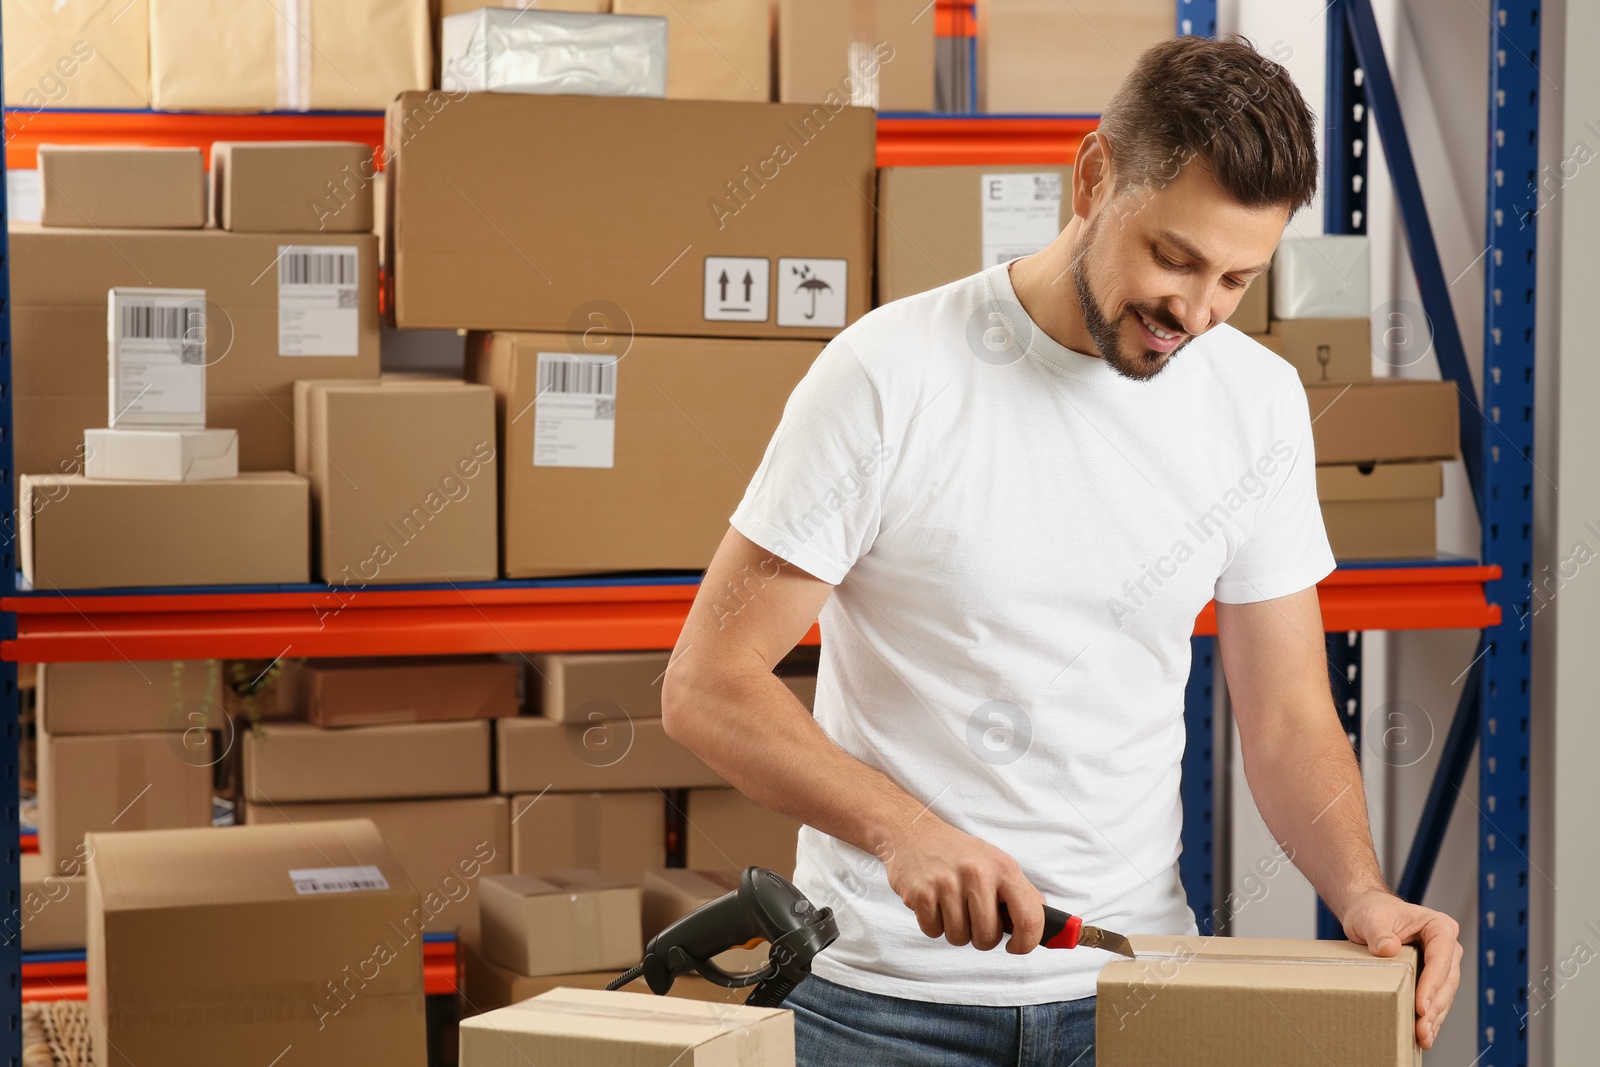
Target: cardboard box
x: 1330, y: 1003
x: 534, y: 754
x: 716, y: 49
x: 804, y: 688
x: 445, y: 846
x: 1323, y: 277
x: 938, y: 224
x: 1253, y: 314
x: 53, y: 911
x: 490, y: 227
x: 729, y: 832
x: 1381, y: 511
x: 365, y: 692
x: 78, y: 533
x: 558, y: 52
x: 149, y: 454
x: 670, y: 894
x: 1046, y: 57
x: 118, y: 782
x: 485, y: 986
x: 689, y: 420
x: 871, y: 53
x: 1326, y: 350
x: 244, y: 940
x: 122, y: 187
x: 76, y: 55
x: 1384, y: 420
x: 292, y: 186
x: 565, y: 922
x: 335, y: 55
x: 125, y: 696
x: 561, y: 1027
x: 586, y: 687
x: 295, y: 761
x: 59, y: 282
x: 621, y: 834
x: 1269, y: 341
x: 404, y: 479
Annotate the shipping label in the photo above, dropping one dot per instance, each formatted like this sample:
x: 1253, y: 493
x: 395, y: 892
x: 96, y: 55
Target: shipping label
x: 158, y: 357
x: 575, y: 411
x: 363, y: 879
x: 1021, y: 214
x: 319, y: 300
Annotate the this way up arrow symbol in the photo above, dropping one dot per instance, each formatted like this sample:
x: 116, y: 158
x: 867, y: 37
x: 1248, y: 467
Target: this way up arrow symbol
x: 723, y: 281
x: 748, y: 282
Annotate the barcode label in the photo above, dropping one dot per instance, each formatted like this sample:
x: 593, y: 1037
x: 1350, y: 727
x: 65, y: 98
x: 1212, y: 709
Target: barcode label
x: 319, y: 300
x: 574, y: 375
x: 575, y: 411
x: 149, y: 322
x: 306, y: 267
x: 309, y: 880
x: 1021, y: 214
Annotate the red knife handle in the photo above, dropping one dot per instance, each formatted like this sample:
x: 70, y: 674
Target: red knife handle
x: 1061, y: 930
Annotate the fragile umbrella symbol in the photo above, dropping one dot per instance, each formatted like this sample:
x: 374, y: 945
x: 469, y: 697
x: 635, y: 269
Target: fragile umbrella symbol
x: 814, y: 284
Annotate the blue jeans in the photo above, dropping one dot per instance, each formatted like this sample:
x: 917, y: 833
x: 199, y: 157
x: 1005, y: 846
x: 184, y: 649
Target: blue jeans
x: 839, y: 1027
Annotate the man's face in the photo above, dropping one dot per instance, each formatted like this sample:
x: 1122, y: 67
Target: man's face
x: 1156, y: 268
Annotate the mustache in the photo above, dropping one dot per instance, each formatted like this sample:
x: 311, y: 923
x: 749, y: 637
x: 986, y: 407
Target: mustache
x: 1160, y: 317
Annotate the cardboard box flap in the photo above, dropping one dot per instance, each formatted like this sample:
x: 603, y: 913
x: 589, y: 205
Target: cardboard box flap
x: 1380, y: 481
x: 244, y: 864
x: 629, y: 1018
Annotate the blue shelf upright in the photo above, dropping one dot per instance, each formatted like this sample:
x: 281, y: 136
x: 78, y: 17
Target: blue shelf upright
x: 10, y: 698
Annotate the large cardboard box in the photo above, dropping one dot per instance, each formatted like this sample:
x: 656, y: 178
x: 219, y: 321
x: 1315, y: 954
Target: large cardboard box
x: 75, y: 55
x: 565, y: 922
x: 122, y: 187
x: 872, y: 53
x: 292, y: 186
x: 1382, y: 511
x: 492, y: 227
x: 127, y: 696
x: 560, y: 1027
x: 485, y: 986
x: 52, y: 910
x: 118, y: 782
x: 294, y: 761
x: 253, y: 940
x: 534, y: 754
x: 938, y: 224
x: 1326, y: 351
x: 1046, y: 57
x: 264, y: 321
x: 324, y: 54
x: 1255, y: 1002
x: 404, y: 478
x: 367, y: 692
x: 585, y: 687
x: 716, y: 49
x: 729, y: 832
x: 445, y: 846
x: 674, y: 433
x: 78, y: 533
x: 1387, y: 419
x: 622, y: 834
x: 670, y: 894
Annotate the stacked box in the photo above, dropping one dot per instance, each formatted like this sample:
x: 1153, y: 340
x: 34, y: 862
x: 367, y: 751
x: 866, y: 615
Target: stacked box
x: 1045, y: 57
x: 121, y: 187
x: 729, y: 832
x: 716, y: 49
x: 872, y: 53
x: 73, y: 55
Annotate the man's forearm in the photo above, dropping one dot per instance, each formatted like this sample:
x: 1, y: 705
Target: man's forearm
x: 1307, y: 784
x: 744, y: 723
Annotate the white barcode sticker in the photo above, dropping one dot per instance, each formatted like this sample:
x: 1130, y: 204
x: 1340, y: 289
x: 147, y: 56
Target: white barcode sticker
x: 1021, y: 214
x: 319, y: 300
x: 575, y: 411
x: 363, y: 879
x: 158, y: 357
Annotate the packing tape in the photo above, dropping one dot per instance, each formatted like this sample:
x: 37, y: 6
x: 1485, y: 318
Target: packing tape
x: 715, y: 1012
x: 863, y: 53
x: 294, y: 55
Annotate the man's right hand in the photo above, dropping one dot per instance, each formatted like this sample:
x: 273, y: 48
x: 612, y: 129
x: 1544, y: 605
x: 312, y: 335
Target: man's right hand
x: 955, y: 884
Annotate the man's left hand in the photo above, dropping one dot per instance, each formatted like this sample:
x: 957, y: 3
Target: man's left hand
x: 1384, y: 923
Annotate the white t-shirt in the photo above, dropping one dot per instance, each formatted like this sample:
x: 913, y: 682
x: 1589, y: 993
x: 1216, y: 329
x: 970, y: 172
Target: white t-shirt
x: 1020, y: 540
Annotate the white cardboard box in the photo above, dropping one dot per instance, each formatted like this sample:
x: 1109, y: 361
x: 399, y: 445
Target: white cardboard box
x: 1322, y: 278
x: 161, y: 455
x: 531, y: 51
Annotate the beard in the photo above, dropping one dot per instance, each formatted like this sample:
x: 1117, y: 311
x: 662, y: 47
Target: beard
x: 1105, y: 333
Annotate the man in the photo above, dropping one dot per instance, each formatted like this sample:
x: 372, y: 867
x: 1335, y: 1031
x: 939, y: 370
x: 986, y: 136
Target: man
x: 1009, y: 498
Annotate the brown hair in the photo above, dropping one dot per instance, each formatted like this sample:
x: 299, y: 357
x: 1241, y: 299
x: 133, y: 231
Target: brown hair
x: 1224, y: 103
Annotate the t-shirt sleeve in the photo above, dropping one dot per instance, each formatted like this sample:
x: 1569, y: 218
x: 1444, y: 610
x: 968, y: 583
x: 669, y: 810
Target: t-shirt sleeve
x: 1286, y: 549
x: 816, y: 500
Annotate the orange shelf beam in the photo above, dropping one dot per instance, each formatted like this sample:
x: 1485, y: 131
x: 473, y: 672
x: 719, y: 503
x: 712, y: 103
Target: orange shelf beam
x: 947, y: 140
x: 74, y: 628
x: 26, y: 130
